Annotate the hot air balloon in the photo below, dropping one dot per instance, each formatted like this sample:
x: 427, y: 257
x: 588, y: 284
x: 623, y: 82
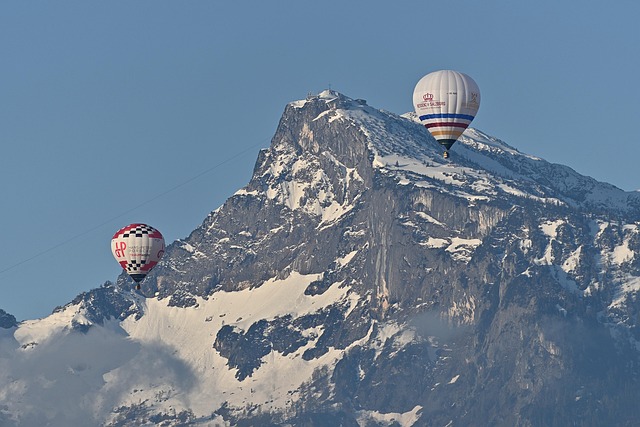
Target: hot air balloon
x: 137, y: 248
x: 446, y: 102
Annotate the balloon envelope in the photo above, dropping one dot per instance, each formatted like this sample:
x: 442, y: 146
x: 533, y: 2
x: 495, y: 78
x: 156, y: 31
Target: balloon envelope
x: 137, y: 248
x: 446, y: 102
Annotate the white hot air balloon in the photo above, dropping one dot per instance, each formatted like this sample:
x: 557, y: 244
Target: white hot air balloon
x: 137, y: 248
x: 446, y: 102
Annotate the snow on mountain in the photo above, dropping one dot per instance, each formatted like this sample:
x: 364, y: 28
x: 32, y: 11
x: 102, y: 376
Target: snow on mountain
x: 359, y: 279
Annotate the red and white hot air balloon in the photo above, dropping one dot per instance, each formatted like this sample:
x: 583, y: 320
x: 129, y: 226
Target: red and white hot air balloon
x: 446, y: 102
x: 137, y: 248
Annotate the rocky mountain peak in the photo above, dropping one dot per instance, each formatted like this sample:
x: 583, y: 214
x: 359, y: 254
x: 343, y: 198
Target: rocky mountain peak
x: 360, y: 278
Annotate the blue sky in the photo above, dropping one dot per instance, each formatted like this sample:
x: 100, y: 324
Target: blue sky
x: 107, y: 107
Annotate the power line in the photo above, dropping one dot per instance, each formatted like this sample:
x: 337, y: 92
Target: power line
x: 139, y: 205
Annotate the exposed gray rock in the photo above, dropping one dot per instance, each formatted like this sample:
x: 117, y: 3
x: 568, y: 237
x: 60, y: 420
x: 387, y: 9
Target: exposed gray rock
x: 7, y: 320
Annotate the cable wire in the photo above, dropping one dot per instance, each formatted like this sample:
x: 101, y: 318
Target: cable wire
x: 139, y: 205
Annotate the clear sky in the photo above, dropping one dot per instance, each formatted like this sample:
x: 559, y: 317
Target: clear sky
x: 107, y: 107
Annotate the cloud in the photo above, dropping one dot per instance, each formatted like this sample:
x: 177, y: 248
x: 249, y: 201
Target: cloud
x: 154, y: 370
x: 78, y: 378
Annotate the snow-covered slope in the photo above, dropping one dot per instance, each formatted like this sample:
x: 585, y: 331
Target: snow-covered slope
x: 359, y: 279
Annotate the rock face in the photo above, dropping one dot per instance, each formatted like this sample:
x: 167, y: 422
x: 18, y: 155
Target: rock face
x: 7, y: 320
x: 361, y: 279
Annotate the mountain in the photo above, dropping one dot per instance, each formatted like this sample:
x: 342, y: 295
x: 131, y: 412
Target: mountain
x: 360, y: 279
x: 7, y: 320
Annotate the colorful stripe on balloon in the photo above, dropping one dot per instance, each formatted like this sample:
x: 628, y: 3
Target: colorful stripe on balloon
x: 447, y: 134
x: 446, y: 116
x: 446, y: 125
